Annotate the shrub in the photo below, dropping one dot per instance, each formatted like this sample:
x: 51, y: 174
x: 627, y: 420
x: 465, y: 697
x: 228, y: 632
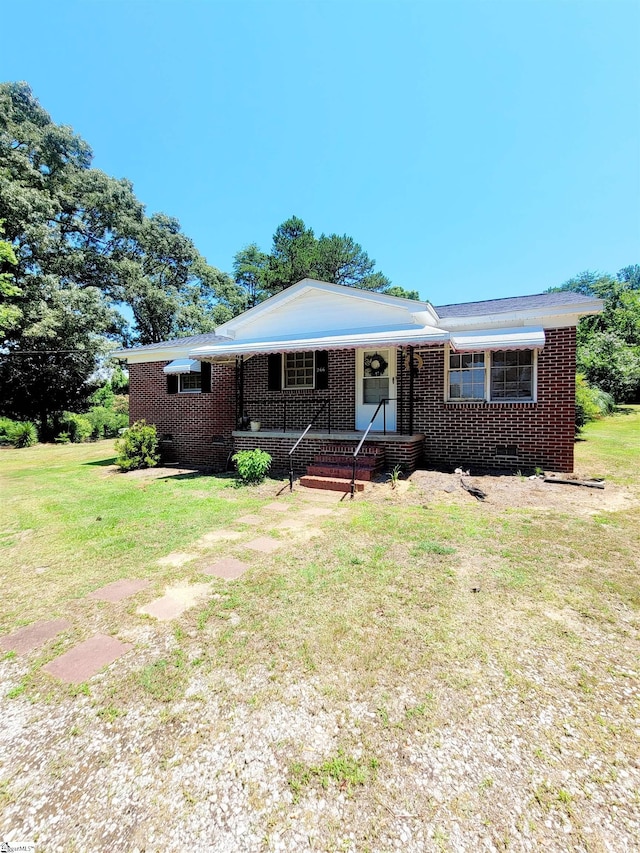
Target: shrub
x: 23, y: 434
x: 591, y: 402
x: 78, y: 427
x: 106, y: 423
x: 138, y: 447
x: 6, y: 425
x: 252, y: 465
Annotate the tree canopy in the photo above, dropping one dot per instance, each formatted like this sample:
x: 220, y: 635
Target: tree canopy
x: 78, y: 247
x: 296, y: 253
x: 609, y: 343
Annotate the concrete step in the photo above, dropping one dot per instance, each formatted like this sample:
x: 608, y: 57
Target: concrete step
x: 334, y: 484
x: 341, y: 471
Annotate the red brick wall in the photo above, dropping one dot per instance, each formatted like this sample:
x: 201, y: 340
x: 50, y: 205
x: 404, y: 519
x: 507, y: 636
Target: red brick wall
x: 301, y: 405
x: 200, y: 424
x: 469, y: 434
x: 456, y: 434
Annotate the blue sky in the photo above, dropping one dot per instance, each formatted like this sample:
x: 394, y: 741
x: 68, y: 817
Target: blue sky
x: 474, y: 149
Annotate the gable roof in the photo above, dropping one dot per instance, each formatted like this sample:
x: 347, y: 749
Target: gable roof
x: 320, y: 315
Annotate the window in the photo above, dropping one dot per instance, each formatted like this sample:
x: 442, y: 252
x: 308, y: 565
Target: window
x: 512, y: 375
x: 495, y: 376
x: 466, y: 376
x: 190, y: 383
x: 299, y: 368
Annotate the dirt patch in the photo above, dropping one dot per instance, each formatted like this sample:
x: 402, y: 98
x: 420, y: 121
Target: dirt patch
x: 513, y: 492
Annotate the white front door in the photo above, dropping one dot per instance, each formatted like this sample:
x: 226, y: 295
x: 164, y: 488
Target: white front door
x: 376, y: 381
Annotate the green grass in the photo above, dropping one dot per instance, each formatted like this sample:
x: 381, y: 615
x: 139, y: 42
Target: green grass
x: 610, y: 446
x: 71, y: 525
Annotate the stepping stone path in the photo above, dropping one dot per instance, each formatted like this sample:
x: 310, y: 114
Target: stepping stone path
x: 216, y: 536
x: 30, y: 637
x: 118, y: 590
x: 175, y: 601
x: 86, y: 659
x: 228, y: 568
x: 250, y: 519
x: 265, y: 545
x: 278, y: 506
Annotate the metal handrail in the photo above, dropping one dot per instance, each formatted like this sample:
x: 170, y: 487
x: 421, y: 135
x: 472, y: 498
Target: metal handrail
x: 311, y: 423
x: 382, y: 402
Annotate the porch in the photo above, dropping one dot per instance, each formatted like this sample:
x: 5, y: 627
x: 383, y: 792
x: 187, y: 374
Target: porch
x: 391, y: 448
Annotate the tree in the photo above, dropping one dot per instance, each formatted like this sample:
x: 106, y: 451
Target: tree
x: 250, y: 267
x: 297, y: 253
x: 608, y: 344
x: 9, y: 314
x: 82, y: 247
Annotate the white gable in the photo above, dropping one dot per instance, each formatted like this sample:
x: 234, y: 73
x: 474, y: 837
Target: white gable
x: 314, y: 308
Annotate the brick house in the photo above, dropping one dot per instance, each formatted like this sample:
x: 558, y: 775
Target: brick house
x: 486, y: 384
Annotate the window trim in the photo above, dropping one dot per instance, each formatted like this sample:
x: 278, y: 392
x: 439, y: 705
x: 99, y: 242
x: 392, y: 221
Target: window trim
x: 284, y: 385
x: 488, y: 357
x: 182, y: 390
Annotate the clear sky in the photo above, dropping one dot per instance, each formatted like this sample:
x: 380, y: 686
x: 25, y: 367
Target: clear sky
x: 475, y: 149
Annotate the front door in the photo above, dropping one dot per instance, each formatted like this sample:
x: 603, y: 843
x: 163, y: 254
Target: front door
x: 376, y: 381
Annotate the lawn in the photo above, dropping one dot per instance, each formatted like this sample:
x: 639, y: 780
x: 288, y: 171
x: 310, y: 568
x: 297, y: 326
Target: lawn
x: 415, y: 670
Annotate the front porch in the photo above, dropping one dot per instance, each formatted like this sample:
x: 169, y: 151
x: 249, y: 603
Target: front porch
x: 404, y: 450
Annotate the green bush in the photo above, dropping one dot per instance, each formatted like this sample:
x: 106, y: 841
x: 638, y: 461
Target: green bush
x: 252, y: 465
x: 78, y: 427
x: 23, y: 434
x: 106, y: 423
x: 138, y: 447
x: 6, y: 425
x: 591, y: 402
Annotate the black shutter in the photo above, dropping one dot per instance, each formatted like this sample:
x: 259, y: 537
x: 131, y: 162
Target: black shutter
x: 205, y: 377
x: 275, y: 371
x: 172, y: 383
x: 322, y: 370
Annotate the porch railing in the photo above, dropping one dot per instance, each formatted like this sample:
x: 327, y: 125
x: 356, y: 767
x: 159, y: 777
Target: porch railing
x: 382, y: 404
x: 325, y: 405
x: 285, y: 414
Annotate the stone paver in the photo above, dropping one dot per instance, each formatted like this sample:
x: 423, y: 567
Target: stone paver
x: 301, y: 533
x: 294, y: 523
x: 176, y: 559
x: 317, y: 511
x: 250, y: 519
x: 118, y: 590
x: 228, y: 568
x: 175, y: 601
x: 31, y: 636
x: 265, y: 545
x: 86, y: 659
x: 278, y: 506
x: 215, y: 536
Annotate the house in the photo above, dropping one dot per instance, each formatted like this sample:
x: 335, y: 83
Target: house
x: 487, y: 384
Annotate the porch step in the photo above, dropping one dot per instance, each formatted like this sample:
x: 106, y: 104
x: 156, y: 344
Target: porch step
x: 342, y: 471
x: 349, y: 449
x: 369, y: 462
x: 334, y: 484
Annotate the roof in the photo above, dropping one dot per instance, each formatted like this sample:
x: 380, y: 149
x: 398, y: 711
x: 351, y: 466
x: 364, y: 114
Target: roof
x: 512, y: 303
x: 320, y: 315
x: 188, y: 341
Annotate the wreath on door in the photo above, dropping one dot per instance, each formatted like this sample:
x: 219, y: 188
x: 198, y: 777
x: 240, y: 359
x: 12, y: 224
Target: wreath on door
x: 375, y: 365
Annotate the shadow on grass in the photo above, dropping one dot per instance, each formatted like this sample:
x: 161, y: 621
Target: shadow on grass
x: 623, y: 410
x: 103, y: 463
